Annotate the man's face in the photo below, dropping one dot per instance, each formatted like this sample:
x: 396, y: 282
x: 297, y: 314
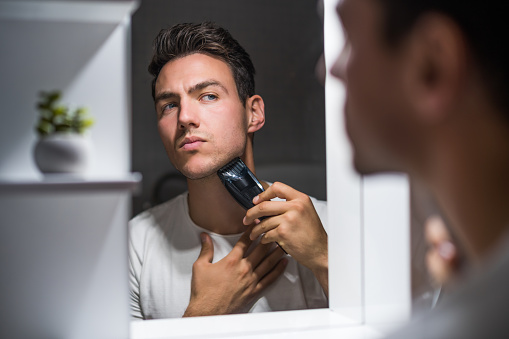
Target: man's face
x: 201, y: 120
x: 376, y: 116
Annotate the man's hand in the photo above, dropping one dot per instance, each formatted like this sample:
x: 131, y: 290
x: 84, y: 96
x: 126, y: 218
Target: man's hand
x: 294, y: 225
x: 442, y: 258
x: 233, y: 284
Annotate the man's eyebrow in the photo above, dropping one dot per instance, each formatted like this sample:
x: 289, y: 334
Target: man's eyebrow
x: 165, y: 95
x: 205, y: 84
x: 199, y: 86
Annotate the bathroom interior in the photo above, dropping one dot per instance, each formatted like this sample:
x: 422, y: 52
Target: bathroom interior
x: 64, y: 238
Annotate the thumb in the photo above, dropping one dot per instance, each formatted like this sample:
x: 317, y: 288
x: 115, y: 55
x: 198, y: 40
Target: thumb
x: 207, y: 248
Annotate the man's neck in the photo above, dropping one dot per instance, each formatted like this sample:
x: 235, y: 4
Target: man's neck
x: 472, y: 183
x: 212, y: 207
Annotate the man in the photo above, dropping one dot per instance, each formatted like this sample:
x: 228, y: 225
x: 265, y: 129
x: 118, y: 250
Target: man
x: 427, y: 85
x: 193, y: 255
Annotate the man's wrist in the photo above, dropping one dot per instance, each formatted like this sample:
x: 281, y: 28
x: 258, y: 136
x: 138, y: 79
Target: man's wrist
x: 189, y: 312
x: 193, y: 311
x: 321, y: 272
x: 201, y: 309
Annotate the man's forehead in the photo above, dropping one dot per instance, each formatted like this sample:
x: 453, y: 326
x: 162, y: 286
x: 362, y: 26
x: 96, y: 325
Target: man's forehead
x: 197, y: 62
x: 186, y: 72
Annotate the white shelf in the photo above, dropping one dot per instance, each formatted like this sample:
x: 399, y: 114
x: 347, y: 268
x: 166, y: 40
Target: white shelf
x: 65, y: 183
x: 68, y: 11
x: 319, y: 323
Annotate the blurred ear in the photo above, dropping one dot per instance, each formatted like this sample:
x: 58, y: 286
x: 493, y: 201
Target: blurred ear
x: 256, y: 113
x: 435, y: 66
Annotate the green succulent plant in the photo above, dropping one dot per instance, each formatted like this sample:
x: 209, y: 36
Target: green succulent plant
x: 54, y: 117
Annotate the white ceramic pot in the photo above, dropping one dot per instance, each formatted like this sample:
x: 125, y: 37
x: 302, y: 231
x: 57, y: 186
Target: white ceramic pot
x: 62, y: 153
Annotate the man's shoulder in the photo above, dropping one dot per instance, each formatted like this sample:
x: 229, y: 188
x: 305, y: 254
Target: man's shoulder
x: 477, y: 309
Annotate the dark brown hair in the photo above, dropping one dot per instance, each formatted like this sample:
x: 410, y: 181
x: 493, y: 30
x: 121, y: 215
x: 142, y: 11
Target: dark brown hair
x: 483, y: 23
x: 207, y: 38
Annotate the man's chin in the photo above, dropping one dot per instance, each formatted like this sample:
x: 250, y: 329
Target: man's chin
x: 365, y: 167
x: 201, y: 167
x: 197, y: 174
x: 199, y: 171
x: 362, y: 169
x: 201, y: 176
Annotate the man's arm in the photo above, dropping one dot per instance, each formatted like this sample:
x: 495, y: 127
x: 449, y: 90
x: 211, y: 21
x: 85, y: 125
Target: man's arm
x: 233, y: 284
x: 294, y: 225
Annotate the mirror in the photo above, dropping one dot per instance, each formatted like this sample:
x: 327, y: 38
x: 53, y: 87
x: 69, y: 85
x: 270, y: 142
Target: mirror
x: 292, y: 142
x: 369, y: 284
x: 285, y: 42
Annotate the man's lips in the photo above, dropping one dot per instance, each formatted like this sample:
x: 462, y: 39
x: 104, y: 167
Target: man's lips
x: 191, y: 143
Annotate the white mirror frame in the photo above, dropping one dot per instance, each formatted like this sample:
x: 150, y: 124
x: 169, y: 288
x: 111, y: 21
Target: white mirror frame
x: 369, y: 257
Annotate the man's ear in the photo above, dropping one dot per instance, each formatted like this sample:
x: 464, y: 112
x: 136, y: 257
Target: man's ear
x: 435, y: 66
x: 256, y: 113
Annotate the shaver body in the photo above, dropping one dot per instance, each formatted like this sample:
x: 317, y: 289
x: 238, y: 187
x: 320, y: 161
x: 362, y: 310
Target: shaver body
x: 241, y: 183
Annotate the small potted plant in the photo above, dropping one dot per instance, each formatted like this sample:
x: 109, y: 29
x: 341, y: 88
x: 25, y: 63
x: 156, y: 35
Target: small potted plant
x: 62, y: 146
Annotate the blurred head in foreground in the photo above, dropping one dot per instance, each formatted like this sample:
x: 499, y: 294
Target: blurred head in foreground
x: 427, y: 84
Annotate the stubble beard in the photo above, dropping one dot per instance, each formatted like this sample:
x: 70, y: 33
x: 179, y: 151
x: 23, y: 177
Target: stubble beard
x: 209, y: 169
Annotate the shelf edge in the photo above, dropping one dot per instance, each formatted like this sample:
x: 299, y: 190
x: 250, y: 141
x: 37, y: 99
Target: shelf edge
x: 66, y: 183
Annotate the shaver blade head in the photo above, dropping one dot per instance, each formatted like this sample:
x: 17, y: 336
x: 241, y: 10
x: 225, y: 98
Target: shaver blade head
x: 240, y: 182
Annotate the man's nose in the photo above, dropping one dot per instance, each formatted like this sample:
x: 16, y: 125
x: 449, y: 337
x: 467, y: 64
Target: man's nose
x: 339, y: 68
x: 188, y: 116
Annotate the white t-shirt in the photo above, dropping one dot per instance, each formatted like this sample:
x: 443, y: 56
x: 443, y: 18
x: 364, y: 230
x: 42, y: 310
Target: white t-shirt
x: 164, y: 243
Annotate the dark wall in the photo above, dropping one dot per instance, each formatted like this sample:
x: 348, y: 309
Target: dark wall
x: 284, y: 39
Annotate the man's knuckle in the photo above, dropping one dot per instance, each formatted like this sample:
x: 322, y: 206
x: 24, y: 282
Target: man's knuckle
x: 292, y: 218
x: 300, y: 206
x: 282, y: 231
x: 196, y: 265
x: 304, y: 197
x: 230, y: 262
x: 278, y: 185
x: 245, y: 269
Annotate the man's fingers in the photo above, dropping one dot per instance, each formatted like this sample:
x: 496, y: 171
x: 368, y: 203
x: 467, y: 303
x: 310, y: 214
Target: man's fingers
x: 242, y: 244
x: 265, y: 226
x: 265, y: 209
x: 438, y: 237
x: 272, y: 275
x: 435, y: 231
x: 271, y: 236
x: 258, y: 253
x: 440, y: 269
x: 268, y: 263
x: 279, y: 190
x: 207, y: 248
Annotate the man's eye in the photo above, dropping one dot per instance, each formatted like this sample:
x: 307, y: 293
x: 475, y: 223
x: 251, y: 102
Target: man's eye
x: 209, y: 97
x: 168, y: 107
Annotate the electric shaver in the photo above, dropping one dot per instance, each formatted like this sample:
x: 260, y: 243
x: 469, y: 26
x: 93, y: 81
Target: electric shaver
x: 241, y: 183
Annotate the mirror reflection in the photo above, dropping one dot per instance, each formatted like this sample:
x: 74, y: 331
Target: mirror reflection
x: 192, y: 252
